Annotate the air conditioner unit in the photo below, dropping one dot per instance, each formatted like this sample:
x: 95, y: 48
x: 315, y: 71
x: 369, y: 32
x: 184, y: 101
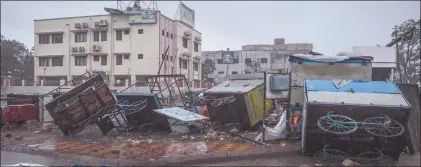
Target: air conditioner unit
x: 103, y: 23
x: 81, y: 49
x: 97, y: 24
x: 185, y: 54
x: 77, y: 25
x: 198, y: 39
x: 96, y: 47
x: 186, y: 33
x: 74, y: 49
x: 85, y: 25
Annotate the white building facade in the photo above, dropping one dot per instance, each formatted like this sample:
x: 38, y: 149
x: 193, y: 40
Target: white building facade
x: 255, y: 59
x: 68, y: 47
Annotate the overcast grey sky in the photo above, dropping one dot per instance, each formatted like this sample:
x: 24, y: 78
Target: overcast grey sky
x: 332, y: 27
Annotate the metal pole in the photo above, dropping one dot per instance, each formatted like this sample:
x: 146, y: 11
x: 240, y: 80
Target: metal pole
x: 264, y: 107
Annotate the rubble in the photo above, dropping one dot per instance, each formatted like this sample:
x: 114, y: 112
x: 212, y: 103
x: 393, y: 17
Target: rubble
x: 47, y: 127
x: 348, y: 162
x: 8, y: 135
x: 18, y: 138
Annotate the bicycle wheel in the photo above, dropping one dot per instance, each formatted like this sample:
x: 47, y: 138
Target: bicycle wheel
x: 330, y: 156
x: 337, y: 124
x: 370, y: 157
x: 383, y: 126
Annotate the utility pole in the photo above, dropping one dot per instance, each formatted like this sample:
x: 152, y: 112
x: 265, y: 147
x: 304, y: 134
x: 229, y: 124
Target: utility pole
x: 398, y: 64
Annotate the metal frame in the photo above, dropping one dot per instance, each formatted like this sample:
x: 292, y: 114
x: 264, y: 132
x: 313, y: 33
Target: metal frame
x: 170, y: 86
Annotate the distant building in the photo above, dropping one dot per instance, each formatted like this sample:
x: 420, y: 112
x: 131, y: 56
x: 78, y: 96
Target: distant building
x: 255, y: 58
x: 384, y: 61
x: 125, y: 51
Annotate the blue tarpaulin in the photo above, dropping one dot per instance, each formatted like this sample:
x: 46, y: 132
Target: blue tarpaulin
x: 355, y: 85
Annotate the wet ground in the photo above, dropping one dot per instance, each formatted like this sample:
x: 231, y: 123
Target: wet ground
x: 91, y: 142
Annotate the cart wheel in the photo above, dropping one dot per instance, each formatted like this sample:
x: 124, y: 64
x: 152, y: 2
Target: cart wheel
x: 383, y: 126
x: 337, y: 124
x: 330, y: 156
x: 370, y: 157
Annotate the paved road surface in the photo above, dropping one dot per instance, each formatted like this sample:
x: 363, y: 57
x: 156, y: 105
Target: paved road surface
x: 10, y: 158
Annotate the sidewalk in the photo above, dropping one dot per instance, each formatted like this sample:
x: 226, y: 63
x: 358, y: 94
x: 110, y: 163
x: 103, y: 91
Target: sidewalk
x: 91, y: 146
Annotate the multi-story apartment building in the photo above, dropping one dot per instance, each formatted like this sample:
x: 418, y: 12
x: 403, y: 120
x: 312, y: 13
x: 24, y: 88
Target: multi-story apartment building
x: 67, y: 47
x: 255, y: 58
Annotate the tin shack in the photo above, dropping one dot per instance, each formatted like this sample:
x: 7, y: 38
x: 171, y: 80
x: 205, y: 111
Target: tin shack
x: 360, y: 104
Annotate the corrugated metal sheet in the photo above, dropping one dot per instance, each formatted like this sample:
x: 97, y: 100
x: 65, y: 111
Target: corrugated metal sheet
x: 236, y: 86
x: 181, y: 114
x: 356, y: 86
x: 357, y: 98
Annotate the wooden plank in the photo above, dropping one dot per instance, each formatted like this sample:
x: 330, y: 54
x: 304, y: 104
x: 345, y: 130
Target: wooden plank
x: 411, y: 93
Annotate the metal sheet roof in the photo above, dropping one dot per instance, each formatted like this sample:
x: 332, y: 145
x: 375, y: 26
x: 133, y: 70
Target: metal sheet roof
x: 236, y: 86
x: 356, y: 86
x: 357, y: 98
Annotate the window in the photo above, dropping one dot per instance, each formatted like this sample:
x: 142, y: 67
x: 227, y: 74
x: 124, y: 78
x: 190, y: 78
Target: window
x: 168, y: 34
x: 247, y: 72
x: 171, y: 36
x: 170, y: 58
x: 196, y: 66
x: 126, y: 56
x: 263, y: 60
x: 235, y: 61
x: 140, y: 31
x: 196, y: 47
x: 57, y: 61
x: 104, y: 60
x: 183, y: 64
x: 119, y: 35
x: 44, y: 39
x: 103, y: 35
x: 220, y: 72
x: 126, y: 32
x: 234, y: 72
x: 184, y: 42
x: 44, y: 61
x: 81, y: 37
x: 80, y: 60
x: 247, y: 60
x: 57, y: 38
x: 119, y: 60
x: 96, y: 36
x: 139, y: 56
x: 163, y: 33
x: 96, y: 58
x: 219, y: 61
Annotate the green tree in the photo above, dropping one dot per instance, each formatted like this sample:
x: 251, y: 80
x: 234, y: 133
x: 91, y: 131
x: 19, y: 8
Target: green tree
x: 16, y: 58
x: 409, y: 51
x: 208, y: 66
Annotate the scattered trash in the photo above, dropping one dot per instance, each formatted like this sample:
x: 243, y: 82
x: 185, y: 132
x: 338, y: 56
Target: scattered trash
x: 37, y: 131
x: 149, y: 141
x: 282, y: 144
x: 185, y: 137
x: 8, y: 135
x: 192, y: 138
x: 278, y: 132
x: 234, y: 130
x: 318, y: 165
x: 34, y: 145
x: 212, y: 136
x: 221, y: 138
x: 303, y: 165
x: 115, y: 151
x: 18, y: 138
x: 348, y: 162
